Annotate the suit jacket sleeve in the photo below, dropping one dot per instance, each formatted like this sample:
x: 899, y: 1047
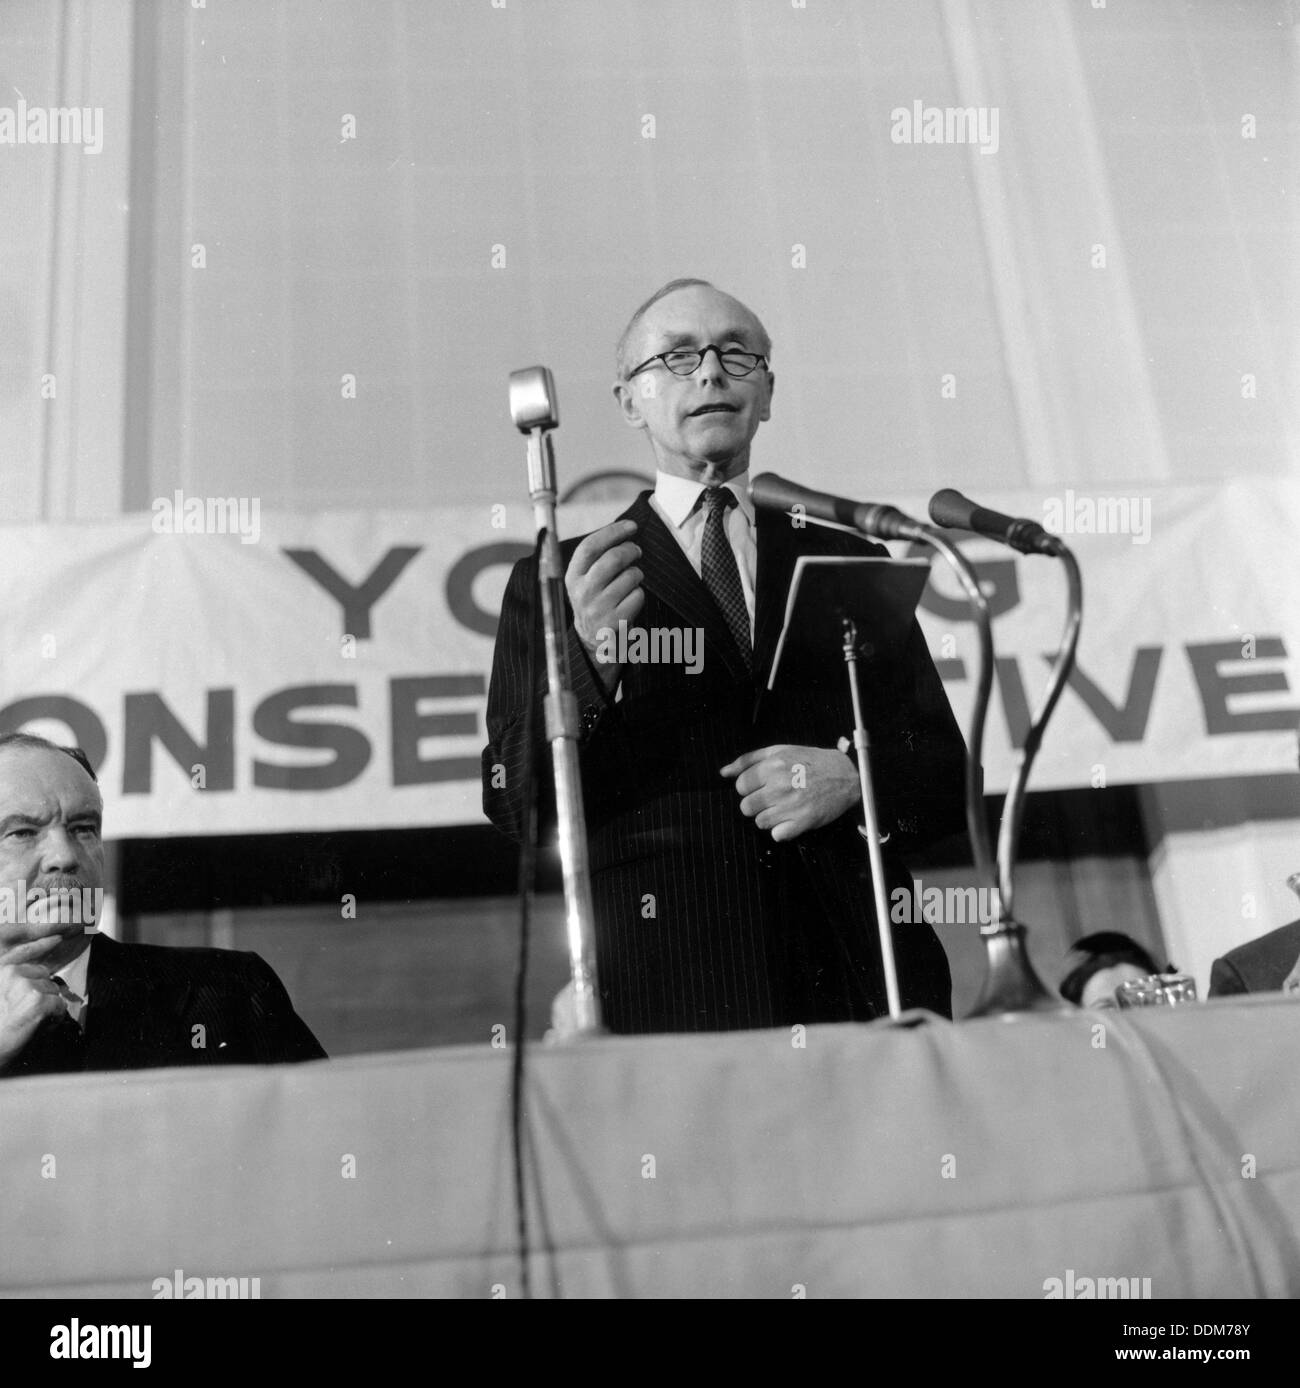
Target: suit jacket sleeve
x: 1225, y: 979
x: 278, y: 1034
x: 919, y: 764
x: 504, y: 760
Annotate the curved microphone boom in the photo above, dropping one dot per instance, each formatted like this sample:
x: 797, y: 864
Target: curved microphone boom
x: 1012, y: 984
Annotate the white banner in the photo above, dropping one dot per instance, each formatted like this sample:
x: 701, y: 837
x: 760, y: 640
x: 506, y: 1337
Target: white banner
x: 266, y: 672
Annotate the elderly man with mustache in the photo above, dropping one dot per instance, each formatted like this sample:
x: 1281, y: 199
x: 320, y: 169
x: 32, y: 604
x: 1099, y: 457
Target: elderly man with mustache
x: 71, y: 999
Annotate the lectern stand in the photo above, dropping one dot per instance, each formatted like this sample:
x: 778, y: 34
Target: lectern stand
x: 865, y: 607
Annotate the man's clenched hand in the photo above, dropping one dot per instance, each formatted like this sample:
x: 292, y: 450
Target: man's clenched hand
x: 604, y: 586
x: 791, y: 790
x: 28, y: 995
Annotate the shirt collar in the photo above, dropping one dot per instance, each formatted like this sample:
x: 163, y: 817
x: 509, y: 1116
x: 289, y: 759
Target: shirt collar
x: 74, y: 974
x: 677, y: 496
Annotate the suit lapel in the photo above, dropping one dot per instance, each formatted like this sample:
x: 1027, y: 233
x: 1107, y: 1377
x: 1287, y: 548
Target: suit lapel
x: 670, y: 577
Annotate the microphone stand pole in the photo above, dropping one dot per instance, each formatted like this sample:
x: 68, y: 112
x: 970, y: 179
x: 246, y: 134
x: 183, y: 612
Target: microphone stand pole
x: 871, y: 827
x: 562, y: 733
x: 1012, y: 985
x: 1009, y: 836
x: 977, y: 826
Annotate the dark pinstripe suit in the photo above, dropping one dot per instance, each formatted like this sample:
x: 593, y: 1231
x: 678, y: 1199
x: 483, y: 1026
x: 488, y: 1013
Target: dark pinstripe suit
x: 703, y: 922
x: 153, y: 1006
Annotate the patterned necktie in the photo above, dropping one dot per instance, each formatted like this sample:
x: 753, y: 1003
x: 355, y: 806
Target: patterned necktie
x: 719, y: 569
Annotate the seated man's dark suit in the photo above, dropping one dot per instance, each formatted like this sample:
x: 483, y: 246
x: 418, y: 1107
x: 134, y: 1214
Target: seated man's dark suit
x: 702, y: 921
x: 1258, y: 966
x: 149, y: 1006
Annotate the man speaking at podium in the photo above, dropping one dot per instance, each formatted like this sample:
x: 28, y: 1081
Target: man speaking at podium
x: 730, y: 883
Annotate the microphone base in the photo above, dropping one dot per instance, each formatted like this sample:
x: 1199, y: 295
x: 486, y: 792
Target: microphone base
x: 1012, y: 986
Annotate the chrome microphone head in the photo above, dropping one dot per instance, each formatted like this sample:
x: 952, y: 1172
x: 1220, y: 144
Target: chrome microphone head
x: 532, y: 399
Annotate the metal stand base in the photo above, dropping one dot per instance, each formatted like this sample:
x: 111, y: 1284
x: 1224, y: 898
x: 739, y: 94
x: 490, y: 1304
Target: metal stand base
x: 1011, y: 985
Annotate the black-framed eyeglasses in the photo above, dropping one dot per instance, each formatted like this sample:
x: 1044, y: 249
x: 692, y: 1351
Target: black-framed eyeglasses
x: 684, y: 361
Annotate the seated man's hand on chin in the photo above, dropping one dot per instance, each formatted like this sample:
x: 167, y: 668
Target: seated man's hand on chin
x: 28, y: 995
x: 790, y: 790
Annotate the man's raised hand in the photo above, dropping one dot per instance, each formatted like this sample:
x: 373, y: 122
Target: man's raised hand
x: 604, y: 587
x: 28, y: 995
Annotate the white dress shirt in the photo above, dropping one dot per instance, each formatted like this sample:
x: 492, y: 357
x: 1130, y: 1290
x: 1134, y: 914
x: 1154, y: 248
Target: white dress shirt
x: 74, y: 976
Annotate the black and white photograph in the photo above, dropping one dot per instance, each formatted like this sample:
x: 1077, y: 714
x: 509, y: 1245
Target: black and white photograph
x: 651, y: 652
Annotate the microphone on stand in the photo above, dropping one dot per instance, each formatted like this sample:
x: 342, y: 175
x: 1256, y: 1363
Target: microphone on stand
x: 954, y: 511
x: 1012, y: 983
x: 532, y: 399
x: 535, y: 413
x: 881, y: 522
x: 884, y: 522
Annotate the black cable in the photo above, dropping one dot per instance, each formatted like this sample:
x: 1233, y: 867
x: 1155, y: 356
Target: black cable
x: 524, y: 887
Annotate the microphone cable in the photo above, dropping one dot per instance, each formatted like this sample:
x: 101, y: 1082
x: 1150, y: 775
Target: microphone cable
x: 524, y: 888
